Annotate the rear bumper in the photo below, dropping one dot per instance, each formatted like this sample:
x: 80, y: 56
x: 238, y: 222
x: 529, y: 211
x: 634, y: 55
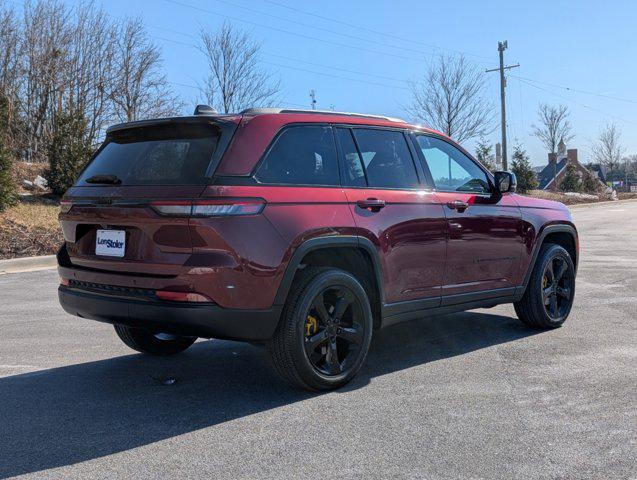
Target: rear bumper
x: 208, y: 321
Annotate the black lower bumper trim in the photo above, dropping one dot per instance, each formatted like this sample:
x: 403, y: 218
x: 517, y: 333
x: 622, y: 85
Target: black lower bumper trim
x: 208, y: 321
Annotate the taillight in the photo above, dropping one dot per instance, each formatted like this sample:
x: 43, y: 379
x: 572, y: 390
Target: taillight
x: 65, y: 206
x: 209, y: 208
x: 182, y: 296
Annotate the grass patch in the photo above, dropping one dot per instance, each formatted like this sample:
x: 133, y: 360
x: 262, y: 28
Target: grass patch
x: 30, y: 228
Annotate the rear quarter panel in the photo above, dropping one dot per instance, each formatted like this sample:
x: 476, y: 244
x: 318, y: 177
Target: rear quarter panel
x: 258, y: 248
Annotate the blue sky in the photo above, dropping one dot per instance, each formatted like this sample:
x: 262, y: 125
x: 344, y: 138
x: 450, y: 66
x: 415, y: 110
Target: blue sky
x: 564, y: 48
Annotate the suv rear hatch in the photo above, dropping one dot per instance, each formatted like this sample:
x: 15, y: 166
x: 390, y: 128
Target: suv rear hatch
x: 113, y: 219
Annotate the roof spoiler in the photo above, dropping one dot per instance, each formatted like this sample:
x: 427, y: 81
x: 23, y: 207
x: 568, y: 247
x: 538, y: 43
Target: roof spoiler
x: 205, y: 110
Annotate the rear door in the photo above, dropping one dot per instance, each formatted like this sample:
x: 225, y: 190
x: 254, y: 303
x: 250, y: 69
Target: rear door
x: 484, y: 237
x: 394, y: 209
x: 118, y: 195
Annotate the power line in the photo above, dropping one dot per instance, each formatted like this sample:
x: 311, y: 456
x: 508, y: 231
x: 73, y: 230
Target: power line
x: 355, y: 72
x: 322, y: 29
x: 577, y: 103
x: 283, y: 102
x: 314, y: 72
x: 586, y: 92
x: 301, y: 35
x: 292, y: 59
x: 370, y: 30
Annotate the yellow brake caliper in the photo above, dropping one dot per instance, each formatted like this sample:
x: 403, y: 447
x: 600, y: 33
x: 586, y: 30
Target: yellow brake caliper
x: 311, y: 326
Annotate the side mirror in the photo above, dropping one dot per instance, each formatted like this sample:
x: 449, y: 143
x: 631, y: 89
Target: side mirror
x: 505, y: 182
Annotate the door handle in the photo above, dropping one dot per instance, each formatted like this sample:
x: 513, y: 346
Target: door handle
x: 458, y: 205
x: 371, y: 204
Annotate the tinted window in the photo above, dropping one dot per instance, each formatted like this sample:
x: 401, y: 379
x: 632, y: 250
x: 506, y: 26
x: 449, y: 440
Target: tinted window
x: 452, y: 170
x: 386, y: 158
x: 303, y: 155
x: 353, y: 174
x: 159, y: 155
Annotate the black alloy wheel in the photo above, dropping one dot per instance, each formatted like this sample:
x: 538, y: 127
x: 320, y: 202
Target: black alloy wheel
x: 334, y: 331
x: 325, y: 330
x: 550, y: 291
x: 557, y: 285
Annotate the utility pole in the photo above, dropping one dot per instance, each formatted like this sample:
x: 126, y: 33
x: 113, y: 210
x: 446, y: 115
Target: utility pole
x: 502, y: 46
x: 313, y: 97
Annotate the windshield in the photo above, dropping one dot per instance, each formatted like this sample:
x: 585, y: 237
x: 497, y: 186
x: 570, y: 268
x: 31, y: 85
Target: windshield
x: 168, y: 154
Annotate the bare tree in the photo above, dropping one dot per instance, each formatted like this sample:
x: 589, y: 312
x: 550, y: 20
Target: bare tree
x: 607, y: 149
x: 138, y: 88
x: 554, y: 126
x: 9, y: 50
x: 46, y: 37
x: 236, y: 80
x: 90, y: 68
x: 451, y: 98
x: 10, y: 75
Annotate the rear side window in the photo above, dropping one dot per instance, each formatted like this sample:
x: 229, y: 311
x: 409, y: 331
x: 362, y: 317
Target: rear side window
x: 301, y: 155
x: 175, y: 154
x: 353, y: 174
x: 386, y: 158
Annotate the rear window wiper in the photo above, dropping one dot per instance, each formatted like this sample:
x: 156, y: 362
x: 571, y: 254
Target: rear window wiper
x: 107, y: 179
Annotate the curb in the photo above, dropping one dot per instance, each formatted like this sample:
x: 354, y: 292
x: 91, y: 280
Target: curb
x: 609, y: 202
x: 27, y: 264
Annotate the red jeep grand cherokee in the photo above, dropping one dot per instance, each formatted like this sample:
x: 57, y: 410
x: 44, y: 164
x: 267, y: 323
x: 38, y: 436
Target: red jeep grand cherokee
x: 303, y: 230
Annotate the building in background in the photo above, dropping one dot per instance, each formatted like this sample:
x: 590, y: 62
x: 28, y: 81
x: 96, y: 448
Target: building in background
x: 556, y: 168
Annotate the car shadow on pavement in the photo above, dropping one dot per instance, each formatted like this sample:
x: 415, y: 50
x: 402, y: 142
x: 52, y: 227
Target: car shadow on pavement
x: 57, y: 417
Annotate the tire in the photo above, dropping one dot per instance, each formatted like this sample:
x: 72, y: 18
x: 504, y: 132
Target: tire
x: 145, y: 341
x: 537, y: 308
x: 318, y: 348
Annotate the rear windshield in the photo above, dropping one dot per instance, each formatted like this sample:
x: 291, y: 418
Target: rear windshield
x: 172, y: 154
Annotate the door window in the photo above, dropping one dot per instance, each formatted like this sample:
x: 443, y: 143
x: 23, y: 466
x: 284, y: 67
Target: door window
x: 452, y: 170
x: 386, y: 158
x: 301, y: 155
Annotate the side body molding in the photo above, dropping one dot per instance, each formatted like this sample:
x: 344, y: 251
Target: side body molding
x: 402, y: 311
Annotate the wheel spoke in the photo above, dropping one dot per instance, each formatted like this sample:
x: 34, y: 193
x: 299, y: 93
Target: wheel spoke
x: 341, y: 305
x: 315, y: 340
x: 319, y: 306
x: 546, y: 293
x: 564, y: 292
x: 562, y: 270
x: 550, y: 275
x: 331, y: 359
x: 353, y: 334
x: 553, y: 306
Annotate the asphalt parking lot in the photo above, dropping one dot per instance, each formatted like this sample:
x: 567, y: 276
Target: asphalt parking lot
x: 470, y: 395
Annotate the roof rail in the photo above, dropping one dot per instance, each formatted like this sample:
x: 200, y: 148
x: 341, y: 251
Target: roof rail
x: 261, y: 111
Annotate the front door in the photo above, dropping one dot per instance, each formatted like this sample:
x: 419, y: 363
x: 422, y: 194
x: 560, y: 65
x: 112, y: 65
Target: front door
x: 395, y: 211
x: 484, y: 238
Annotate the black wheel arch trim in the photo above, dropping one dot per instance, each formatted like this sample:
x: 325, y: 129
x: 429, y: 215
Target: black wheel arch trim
x: 318, y: 243
x: 557, y: 228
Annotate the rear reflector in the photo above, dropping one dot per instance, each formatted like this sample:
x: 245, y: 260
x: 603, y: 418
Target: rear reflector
x: 182, y: 296
x: 209, y: 208
x: 64, y: 281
